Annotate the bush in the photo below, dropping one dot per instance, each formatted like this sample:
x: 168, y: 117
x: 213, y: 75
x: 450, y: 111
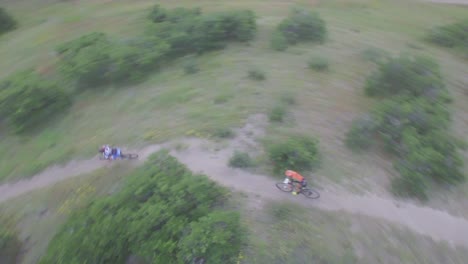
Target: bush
x: 86, y: 59
x: 188, y: 31
x: 213, y: 31
x: 318, y: 63
x: 278, y: 41
x: 451, y: 35
x: 393, y: 116
x: 27, y: 100
x: 406, y: 75
x: 288, y: 99
x: 361, y: 134
x: 223, y: 132
x: 277, y: 113
x: 298, y: 152
x: 433, y: 155
x: 410, y: 184
x: 9, y: 243
x: 159, y: 14
x: 375, y: 55
x: 240, y: 160
x: 94, y: 59
x: 281, y: 211
x: 132, y: 62
x: 175, y: 27
x: 154, y: 218
x: 212, y: 239
x: 302, y: 25
x: 7, y: 22
x: 412, y: 121
x: 256, y: 75
x: 191, y: 67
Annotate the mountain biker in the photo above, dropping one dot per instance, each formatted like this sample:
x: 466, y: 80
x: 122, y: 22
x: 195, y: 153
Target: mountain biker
x: 116, y: 153
x: 110, y: 152
x: 106, y: 151
x: 297, y: 180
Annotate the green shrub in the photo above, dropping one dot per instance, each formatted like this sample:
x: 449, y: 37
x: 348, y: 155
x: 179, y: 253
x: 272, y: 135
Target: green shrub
x: 94, y: 59
x: 10, y: 245
x: 434, y: 154
x: 132, y: 62
x: 413, y: 122
x: 154, y: 218
x: 191, y: 67
x: 395, y: 115
x: 298, y: 153
x: 375, y: 55
x: 241, y: 160
x: 175, y: 27
x: 188, y: 31
x: 27, y: 100
x: 406, y: 75
x: 256, y: 75
x: 318, y: 63
x: 303, y: 25
x: 223, y: 132
x: 287, y: 99
x: 277, y: 113
x: 451, y: 35
x: 7, y: 22
x: 410, y: 184
x: 159, y: 14
x: 213, y: 31
x: 221, y: 99
x: 278, y: 41
x: 86, y: 59
x: 281, y: 211
x: 214, y: 238
x: 361, y: 134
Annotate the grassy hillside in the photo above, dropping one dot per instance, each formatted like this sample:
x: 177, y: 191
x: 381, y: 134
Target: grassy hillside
x: 171, y: 103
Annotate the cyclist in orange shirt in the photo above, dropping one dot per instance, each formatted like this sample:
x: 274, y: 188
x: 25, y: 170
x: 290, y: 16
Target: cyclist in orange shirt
x: 298, y: 180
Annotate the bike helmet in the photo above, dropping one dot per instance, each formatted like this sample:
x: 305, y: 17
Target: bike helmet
x: 102, y: 148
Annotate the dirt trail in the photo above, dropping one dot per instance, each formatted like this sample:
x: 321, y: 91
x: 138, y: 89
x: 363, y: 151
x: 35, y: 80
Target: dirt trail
x: 455, y: 2
x: 436, y: 224
x: 201, y: 156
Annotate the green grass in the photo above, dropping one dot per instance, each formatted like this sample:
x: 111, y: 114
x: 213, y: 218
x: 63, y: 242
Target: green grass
x: 170, y: 103
x: 279, y: 232
x: 41, y: 213
x: 286, y: 233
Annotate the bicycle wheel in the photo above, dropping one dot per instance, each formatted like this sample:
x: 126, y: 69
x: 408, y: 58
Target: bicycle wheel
x: 309, y: 193
x: 285, y: 187
x: 129, y: 156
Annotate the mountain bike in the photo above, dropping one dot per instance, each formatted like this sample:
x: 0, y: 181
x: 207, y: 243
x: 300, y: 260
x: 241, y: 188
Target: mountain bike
x: 122, y: 156
x: 307, y: 192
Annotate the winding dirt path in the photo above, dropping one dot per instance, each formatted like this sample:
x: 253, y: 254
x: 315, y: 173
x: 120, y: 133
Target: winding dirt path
x: 439, y: 225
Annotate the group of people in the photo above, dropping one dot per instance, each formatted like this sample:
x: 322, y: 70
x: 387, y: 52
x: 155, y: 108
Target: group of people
x: 298, y: 181
x: 110, y: 153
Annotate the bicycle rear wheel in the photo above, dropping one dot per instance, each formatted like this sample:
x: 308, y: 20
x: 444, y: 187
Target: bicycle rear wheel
x: 129, y: 156
x: 309, y: 193
x: 285, y: 187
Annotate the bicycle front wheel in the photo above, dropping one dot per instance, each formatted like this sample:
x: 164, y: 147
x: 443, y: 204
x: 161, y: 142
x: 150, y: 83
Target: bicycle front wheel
x: 309, y: 193
x: 129, y: 156
x: 285, y: 187
x: 132, y: 156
